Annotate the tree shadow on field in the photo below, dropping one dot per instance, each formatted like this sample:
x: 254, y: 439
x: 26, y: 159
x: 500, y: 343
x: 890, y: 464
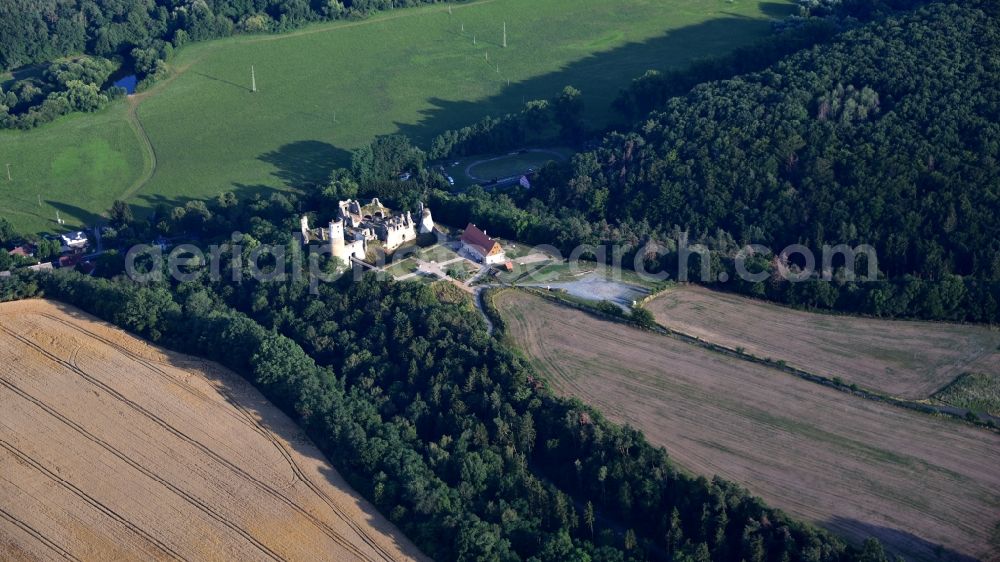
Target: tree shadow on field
x: 82, y: 219
x: 226, y: 402
x: 600, y: 76
x: 154, y: 205
x: 71, y: 214
x: 307, y: 162
x: 897, y: 541
x: 775, y: 9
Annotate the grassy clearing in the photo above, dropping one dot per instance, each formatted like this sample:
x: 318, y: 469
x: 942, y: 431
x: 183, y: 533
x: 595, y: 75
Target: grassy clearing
x: 977, y: 392
x: 855, y: 466
x: 403, y: 267
x: 488, y: 168
x: 329, y: 88
x: 563, y: 272
x: 77, y: 167
x: 907, y: 359
x: 437, y: 253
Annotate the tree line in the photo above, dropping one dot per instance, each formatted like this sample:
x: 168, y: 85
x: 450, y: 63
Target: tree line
x: 559, y: 119
x: 37, y: 31
x: 885, y: 136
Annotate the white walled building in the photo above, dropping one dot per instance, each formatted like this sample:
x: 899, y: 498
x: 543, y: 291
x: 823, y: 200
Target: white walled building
x: 486, y: 249
x: 357, y: 224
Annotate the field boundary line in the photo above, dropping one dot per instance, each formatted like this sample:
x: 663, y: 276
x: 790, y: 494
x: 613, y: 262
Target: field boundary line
x: 818, y: 311
x: 304, y: 478
x: 153, y: 366
x: 952, y: 412
x: 560, y: 157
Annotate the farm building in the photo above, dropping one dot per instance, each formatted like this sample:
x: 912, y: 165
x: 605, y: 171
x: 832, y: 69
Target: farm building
x: 482, y: 246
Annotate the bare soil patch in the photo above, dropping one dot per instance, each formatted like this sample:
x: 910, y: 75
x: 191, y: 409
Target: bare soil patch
x: 852, y: 465
x: 903, y: 358
x: 111, y: 448
x: 595, y: 287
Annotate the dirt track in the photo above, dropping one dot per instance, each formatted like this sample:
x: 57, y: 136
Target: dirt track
x: 852, y: 465
x: 907, y: 359
x: 114, y: 449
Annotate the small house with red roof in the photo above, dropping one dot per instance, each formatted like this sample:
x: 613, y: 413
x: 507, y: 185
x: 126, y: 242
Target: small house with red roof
x: 484, y: 248
x: 23, y: 251
x: 70, y: 260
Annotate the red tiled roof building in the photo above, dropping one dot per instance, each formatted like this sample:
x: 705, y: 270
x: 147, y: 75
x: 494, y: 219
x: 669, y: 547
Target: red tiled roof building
x: 482, y: 246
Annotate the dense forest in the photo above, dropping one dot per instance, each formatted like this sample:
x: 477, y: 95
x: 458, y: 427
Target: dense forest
x: 886, y: 136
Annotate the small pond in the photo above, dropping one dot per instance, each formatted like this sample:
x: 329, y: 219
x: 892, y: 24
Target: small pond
x: 127, y: 82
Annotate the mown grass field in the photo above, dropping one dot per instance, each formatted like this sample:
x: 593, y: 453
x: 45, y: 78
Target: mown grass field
x: 479, y: 169
x: 907, y: 359
x: 926, y: 486
x: 327, y: 89
x: 76, y: 166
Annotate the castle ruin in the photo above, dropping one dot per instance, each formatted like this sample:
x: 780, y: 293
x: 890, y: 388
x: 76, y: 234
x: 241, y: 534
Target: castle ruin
x: 356, y: 225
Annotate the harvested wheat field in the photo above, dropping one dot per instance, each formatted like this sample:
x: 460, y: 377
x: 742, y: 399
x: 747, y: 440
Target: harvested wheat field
x: 852, y: 465
x: 902, y: 358
x: 112, y: 449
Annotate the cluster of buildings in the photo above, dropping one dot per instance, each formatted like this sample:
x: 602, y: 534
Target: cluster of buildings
x: 72, y: 248
x: 357, y: 225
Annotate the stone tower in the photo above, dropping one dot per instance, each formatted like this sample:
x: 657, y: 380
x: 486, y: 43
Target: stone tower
x: 337, y: 246
x: 426, y: 221
x: 304, y: 228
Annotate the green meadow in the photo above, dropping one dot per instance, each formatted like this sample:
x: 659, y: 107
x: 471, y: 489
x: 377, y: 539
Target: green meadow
x: 74, y: 167
x: 325, y: 90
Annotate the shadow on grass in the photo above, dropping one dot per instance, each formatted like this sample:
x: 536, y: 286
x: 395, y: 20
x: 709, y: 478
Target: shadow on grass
x: 600, y: 76
x: 70, y: 213
x: 776, y: 9
x: 307, y: 162
x: 897, y: 541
